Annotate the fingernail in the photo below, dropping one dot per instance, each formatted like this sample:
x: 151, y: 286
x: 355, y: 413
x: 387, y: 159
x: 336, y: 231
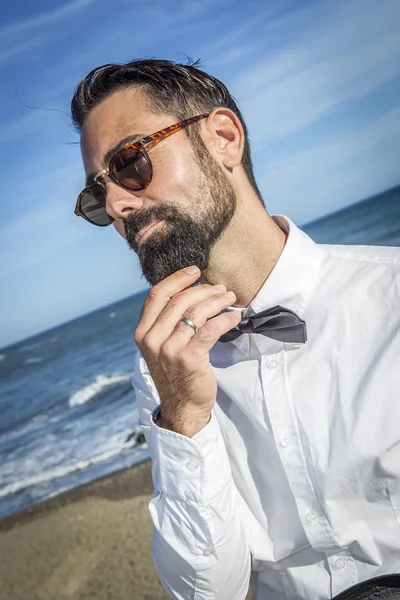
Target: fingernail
x: 230, y: 294
x: 219, y: 286
x: 191, y: 270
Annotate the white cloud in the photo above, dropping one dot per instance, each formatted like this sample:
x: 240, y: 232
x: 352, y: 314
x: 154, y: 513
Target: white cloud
x: 341, y: 57
x: 47, y: 18
x: 312, y: 183
x: 33, y: 237
x: 13, y: 37
x: 43, y: 223
x: 32, y: 190
x: 28, y: 122
x: 33, y: 122
x: 13, y: 51
x: 128, y: 37
x: 234, y: 54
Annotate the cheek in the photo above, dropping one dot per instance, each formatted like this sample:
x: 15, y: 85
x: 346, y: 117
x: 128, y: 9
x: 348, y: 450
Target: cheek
x: 172, y: 172
x: 119, y: 227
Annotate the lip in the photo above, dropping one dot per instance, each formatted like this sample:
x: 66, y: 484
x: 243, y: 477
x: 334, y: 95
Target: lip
x: 143, y: 232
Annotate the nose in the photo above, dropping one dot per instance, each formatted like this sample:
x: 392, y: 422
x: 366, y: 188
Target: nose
x: 120, y: 202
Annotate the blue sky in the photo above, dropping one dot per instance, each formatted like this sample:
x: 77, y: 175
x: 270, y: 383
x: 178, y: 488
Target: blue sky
x: 318, y: 83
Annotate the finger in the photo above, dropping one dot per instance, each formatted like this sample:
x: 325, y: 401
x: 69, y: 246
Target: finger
x: 181, y: 304
x: 199, y: 314
x: 159, y: 296
x: 171, y: 314
x: 201, y: 343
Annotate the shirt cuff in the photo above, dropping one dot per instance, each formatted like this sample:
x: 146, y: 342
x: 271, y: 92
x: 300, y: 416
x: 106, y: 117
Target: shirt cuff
x: 191, y: 469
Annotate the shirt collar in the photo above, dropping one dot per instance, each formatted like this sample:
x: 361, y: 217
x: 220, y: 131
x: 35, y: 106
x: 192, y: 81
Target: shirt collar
x: 292, y: 279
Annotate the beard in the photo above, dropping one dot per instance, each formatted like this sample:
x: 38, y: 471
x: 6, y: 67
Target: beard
x: 186, y: 236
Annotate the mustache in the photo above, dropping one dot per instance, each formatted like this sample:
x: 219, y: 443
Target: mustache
x: 136, y: 221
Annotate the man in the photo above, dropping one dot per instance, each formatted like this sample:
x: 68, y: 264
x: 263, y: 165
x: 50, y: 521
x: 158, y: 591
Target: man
x: 276, y: 454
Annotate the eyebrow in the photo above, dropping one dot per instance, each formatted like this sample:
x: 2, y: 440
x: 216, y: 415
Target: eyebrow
x: 131, y: 139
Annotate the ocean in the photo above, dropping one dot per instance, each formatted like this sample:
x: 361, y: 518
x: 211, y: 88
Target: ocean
x: 68, y: 412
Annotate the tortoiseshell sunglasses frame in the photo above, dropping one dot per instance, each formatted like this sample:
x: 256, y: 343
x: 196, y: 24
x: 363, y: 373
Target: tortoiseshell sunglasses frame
x: 144, y: 145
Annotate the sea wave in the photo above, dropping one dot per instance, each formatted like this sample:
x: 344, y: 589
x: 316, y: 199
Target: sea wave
x: 31, y: 347
x: 59, y: 472
x: 34, y: 359
x: 101, y: 383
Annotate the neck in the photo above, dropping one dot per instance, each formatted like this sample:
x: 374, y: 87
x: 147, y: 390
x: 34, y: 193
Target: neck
x: 247, y: 251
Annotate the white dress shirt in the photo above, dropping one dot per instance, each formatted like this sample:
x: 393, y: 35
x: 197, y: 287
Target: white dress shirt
x: 295, y: 482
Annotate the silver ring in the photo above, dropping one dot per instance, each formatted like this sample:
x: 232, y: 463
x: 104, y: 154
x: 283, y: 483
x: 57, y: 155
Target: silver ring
x: 190, y: 323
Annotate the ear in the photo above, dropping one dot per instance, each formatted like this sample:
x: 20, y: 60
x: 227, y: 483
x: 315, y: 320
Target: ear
x: 225, y: 136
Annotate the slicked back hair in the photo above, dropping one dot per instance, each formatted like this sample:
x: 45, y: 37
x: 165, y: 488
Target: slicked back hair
x: 179, y: 90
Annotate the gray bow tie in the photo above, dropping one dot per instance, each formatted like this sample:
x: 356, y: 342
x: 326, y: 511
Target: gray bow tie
x: 278, y: 323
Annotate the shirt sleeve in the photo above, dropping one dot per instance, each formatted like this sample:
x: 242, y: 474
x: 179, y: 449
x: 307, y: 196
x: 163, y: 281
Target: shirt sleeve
x: 200, y: 550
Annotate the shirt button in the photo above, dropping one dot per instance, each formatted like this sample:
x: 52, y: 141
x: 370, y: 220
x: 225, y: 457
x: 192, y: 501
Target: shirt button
x: 207, y: 551
x: 339, y: 564
x: 192, y: 464
x: 286, y: 440
x: 312, y: 517
x: 272, y: 364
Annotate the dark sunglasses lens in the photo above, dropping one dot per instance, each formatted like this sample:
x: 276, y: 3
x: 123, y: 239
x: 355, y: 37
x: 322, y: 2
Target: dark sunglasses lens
x: 93, y: 205
x: 132, y: 169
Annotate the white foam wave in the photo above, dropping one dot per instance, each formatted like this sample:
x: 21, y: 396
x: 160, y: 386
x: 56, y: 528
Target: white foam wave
x: 57, y: 472
x: 31, y: 346
x: 101, y: 383
x: 112, y: 315
x: 34, y: 359
x: 2, y: 357
x: 40, y: 419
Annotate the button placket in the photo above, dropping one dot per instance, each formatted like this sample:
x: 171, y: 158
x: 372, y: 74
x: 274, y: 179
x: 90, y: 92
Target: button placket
x: 272, y: 364
x: 192, y: 464
x: 312, y: 517
x: 286, y: 441
x: 343, y: 570
x: 283, y: 417
x: 339, y: 563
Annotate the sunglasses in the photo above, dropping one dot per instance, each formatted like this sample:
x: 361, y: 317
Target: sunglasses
x: 130, y: 168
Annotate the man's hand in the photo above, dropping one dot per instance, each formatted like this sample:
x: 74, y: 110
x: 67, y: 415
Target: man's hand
x: 178, y: 357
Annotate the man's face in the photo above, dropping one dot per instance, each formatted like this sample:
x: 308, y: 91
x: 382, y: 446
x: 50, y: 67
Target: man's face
x: 189, y: 201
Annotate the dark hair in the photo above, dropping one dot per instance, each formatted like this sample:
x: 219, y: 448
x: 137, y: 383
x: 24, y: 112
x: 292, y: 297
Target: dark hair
x: 176, y: 89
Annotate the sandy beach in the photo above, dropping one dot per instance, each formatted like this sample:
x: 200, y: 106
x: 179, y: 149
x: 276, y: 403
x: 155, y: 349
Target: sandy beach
x: 92, y: 543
